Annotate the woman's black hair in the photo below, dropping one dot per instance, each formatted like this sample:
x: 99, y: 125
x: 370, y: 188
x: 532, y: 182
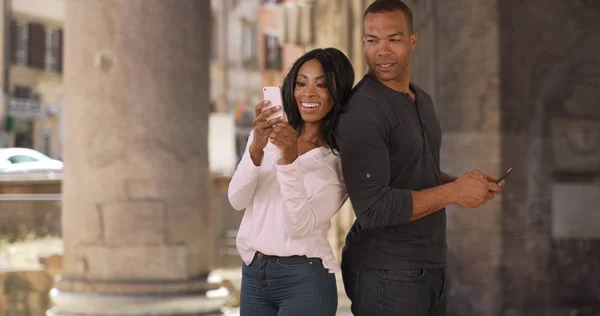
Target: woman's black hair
x: 339, y: 75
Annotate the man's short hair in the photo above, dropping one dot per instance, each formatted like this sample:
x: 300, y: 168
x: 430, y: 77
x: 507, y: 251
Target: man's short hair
x: 380, y: 6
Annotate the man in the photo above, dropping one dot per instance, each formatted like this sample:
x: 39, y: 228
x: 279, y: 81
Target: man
x: 395, y: 253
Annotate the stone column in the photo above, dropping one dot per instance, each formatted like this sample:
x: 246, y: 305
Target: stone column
x: 135, y: 215
x: 467, y: 91
x: 457, y: 60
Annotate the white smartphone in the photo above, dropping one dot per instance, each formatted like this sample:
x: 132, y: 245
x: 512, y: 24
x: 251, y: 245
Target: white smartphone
x: 273, y: 94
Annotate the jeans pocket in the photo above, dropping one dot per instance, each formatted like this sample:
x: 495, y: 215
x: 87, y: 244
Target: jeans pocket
x: 404, y: 274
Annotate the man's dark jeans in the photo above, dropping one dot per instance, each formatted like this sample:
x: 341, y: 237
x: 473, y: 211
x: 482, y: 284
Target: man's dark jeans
x: 412, y: 292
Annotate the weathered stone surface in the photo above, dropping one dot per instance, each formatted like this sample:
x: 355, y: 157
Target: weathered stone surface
x: 575, y: 273
x: 133, y: 223
x: 508, y: 96
x: 576, y: 210
x: 576, y: 144
x: 555, y: 311
x: 146, y: 88
x: 129, y: 263
x: 457, y: 59
x: 423, y: 61
x: 468, y: 68
x: 474, y: 261
x: 546, y: 88
x: 136, y: 220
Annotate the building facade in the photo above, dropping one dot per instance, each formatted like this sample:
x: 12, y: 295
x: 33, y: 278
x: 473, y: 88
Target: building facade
x: 235, y: 72
x: 32, y: 83
x: 235, y: 88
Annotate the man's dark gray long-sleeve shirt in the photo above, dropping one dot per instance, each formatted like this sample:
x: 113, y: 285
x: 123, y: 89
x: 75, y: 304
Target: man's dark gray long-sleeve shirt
x: 389, y: 145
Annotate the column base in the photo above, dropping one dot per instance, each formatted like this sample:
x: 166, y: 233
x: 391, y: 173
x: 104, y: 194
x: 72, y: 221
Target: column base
x: 87, y: 304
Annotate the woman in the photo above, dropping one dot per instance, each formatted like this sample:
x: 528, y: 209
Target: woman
x: 289, y: 183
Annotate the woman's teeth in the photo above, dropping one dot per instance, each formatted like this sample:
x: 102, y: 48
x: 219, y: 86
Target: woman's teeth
x: 310, y: 105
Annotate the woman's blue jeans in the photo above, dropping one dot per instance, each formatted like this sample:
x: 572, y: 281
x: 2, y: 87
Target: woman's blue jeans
x: 286, y: 286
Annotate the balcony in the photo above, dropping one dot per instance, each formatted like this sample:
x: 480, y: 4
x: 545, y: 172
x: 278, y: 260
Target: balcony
x: 24, y: 108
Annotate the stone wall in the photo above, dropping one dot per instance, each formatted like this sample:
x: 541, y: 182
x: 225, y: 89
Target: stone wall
x: 516, y: 85
x: 457, y: 61
x: 551, y: 124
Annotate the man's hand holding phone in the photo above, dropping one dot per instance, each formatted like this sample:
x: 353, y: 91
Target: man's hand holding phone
x: 474, y: 188
x: 263, y: 127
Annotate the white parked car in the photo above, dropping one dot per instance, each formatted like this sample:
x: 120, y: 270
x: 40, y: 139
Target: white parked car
x: 25, y: 160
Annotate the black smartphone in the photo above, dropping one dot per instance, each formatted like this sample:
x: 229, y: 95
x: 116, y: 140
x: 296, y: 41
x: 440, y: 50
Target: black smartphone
x: 504, y: 176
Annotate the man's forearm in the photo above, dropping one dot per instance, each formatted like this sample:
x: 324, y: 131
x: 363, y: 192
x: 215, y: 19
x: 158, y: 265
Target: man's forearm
x: 446, y: 178
x: 431, y: 200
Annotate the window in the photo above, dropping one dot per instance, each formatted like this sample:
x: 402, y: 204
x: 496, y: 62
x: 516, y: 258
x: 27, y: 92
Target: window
x: 21, y: 159
x: 24, y: 104
x: 273, y: 53
x: 53, y: 50
x: 22, y: 92
x: 21, y: 43
x: 249, y: 46
x: 36, y: 46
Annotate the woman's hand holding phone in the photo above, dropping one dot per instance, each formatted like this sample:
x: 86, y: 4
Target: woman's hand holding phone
x: 262, y: 130
x: 285, y: 137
